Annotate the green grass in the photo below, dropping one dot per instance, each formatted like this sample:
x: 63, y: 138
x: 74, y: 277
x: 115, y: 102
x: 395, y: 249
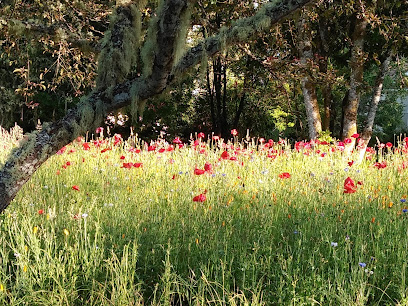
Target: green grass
x: 135, y: 236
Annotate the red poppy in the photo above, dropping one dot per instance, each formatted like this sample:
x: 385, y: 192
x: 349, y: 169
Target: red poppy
x: 347, y: 141
x: 208, y: 167
x: 381, y: 165
x: 349, y: 186
x: 355, y: 135
x: 162, y: 150
x: 127, y: 165
x: 388, y: 145
x: 99, y: 130
x: 86, y: 146
x: 284, y: 175
x: 198, y: 171
x: 151, y: 148
x: 200, y: 198
x: 61, y: 151
x: 118, y: 139
x: 106, y: 149
x: 216, y: 137
x: 350, y: 163
x: 177, y: 140
x: 138, y: 165
x: 234, y: 132
x: 40, y: 211
x: 225, y: 155
x: 201, y: 135
x: 122, y: 157
x: 75, y: 187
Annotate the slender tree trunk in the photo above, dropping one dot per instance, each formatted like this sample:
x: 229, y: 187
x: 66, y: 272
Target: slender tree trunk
x: 308, y: 85
x: 377, y: 90
x: 217, y: 93
x: 210, y: 98
x: 356, y: 79
x: 225, y: 124
x: 241, y: 101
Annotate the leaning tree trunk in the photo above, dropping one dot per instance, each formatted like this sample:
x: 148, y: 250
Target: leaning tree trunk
x: 160, y: 70
x: 368, y: 128
x: 356, y: 79
x: 308, y: 85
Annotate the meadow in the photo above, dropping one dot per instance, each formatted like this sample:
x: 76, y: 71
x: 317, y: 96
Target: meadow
x: 242, y: 222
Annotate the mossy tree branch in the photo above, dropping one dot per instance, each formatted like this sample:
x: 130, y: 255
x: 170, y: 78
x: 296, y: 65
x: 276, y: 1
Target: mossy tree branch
x: 40, y: 145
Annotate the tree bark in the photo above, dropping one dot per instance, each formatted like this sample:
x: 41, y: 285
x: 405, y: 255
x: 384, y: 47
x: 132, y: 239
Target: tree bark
x: 376, y: 97
x: 40, y: 145
x: 356, y: 79
x: 308, y: 85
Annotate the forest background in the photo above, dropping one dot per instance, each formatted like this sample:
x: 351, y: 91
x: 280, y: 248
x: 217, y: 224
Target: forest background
x: 295, y: 80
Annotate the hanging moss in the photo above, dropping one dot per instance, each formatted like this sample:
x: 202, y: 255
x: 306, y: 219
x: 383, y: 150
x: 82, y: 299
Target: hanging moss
x: 120, y: 46
x: 148, y: 51
x: 180, y: 46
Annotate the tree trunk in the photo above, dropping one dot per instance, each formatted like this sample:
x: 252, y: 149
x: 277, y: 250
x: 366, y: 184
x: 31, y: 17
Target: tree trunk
x: 377, y: 90
x: 356, y: 79
x: 308, y: 85
x: 37, y: 147
x: 323, y: 65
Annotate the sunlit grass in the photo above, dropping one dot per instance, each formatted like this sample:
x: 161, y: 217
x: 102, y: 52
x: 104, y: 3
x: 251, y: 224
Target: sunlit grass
x: 88, y: 228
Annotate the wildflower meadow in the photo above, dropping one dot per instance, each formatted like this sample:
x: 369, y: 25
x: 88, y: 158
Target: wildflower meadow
x: 244, y: 221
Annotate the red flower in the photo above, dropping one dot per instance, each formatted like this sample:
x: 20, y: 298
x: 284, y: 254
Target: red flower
x: 200, y: 198
x: 122, y: 157
x: 198, y: 171
x: 151, y: 148
x: 388, y: 145
x: 75, y: 187
x: 234, y: 132
x: 99, y: 130
x: 201, y: 135
x: 350, y: 163
x: 355, y: 135
x: 138, y: 165
x: 127, y: 165
x: 104, y: 150
x: 177, y: 140
x: 215, y: 137
x: 86, y: 146
x: 61, y: 151
x: 381, y: 165
x: 118, y: 139
x: 284, y: 175
x: 208, y: 167
x: 347, y: 141
x: 40, y: 211
x: 349, y: 186
x: 225, y: 155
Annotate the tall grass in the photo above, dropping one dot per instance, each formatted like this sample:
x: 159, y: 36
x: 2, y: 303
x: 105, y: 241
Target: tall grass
x: 94, y: 232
